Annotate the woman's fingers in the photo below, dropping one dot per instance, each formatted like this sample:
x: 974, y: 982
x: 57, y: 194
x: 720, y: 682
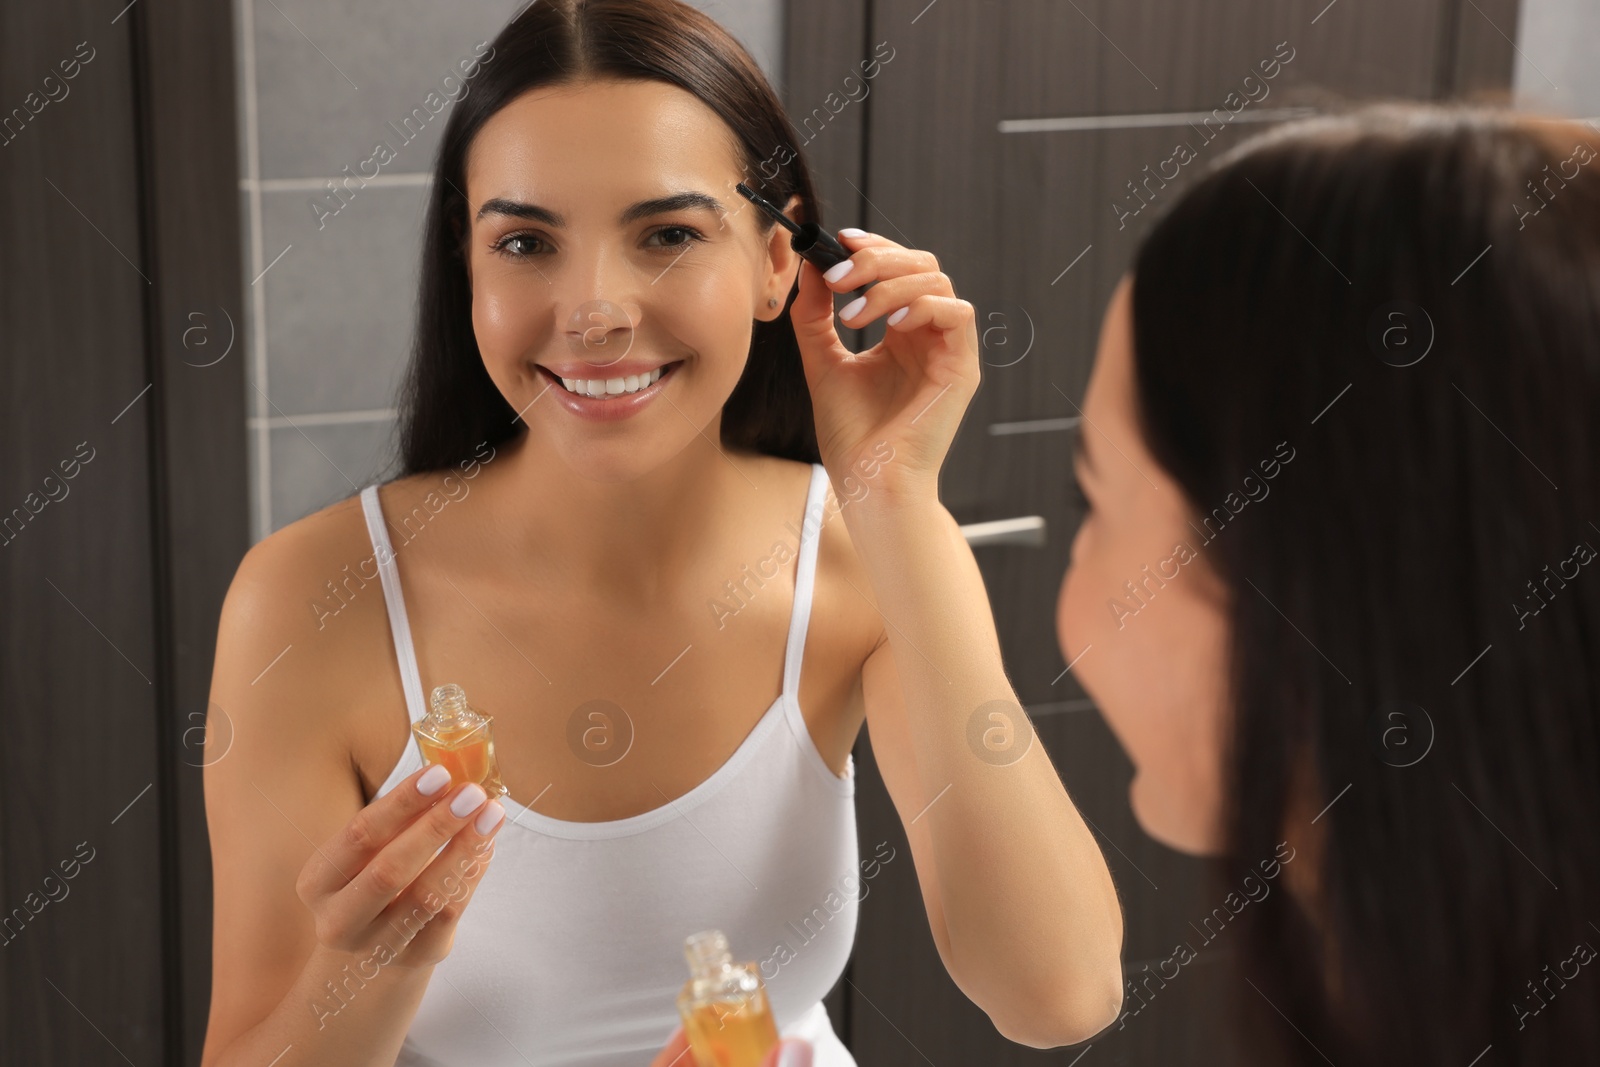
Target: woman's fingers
x: 889, y: 296
x: 349, y: 911
x: 423, y: 917
x: 877, y: 262
x: 790, y: 1052
x: 902, y: 275
x: 939, y: 312
x: 333, y: 865
x: 676, y: 1052
x: 873, y: 258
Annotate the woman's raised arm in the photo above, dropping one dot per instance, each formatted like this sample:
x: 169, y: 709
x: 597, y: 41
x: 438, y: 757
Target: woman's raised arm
x: 1020, y: 900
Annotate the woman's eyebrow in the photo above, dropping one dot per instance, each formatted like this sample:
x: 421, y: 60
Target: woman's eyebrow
x: 643, y: 209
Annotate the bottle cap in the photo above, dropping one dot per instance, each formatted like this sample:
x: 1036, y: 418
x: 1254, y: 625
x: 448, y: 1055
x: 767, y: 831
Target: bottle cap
x: 450, y: 703
x: 707, y: 951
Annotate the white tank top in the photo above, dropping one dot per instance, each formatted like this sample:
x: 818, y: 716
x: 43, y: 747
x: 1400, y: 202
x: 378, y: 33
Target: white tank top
x: 571, y: 949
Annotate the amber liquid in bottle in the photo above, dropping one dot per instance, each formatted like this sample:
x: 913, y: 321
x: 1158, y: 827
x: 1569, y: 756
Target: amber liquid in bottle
x: 456, y: 735
x: 726, y: 1017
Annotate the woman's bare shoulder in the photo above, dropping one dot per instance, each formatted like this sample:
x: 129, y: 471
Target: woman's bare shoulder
x: 302, y: 576
x: 296, y: 623
x: 854, y: 625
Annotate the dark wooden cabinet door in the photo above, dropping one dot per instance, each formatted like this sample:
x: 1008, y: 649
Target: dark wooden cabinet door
x: 1004, y: 137
x: 122, y: 488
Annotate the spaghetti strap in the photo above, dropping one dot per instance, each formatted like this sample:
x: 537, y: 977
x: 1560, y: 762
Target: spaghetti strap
x: 805, y: 575
x: 399, y: 625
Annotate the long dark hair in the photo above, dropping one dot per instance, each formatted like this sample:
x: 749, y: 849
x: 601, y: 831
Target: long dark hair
x: 449, y: 406
x: 1415, y: 631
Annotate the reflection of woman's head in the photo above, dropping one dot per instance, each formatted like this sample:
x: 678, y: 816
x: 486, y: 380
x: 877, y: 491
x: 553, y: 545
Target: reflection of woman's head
x: 1339, y: 585
x: 533, y: 264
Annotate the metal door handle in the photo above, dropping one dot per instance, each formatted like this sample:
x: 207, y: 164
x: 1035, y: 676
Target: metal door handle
x: 1023, y: 530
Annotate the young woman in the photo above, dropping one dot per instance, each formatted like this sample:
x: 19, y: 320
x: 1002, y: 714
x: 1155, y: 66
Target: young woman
x: 655, y: 595
x: 1335, y: 586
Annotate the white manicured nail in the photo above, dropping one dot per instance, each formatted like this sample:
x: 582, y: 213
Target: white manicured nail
x: 852, y: 309
x: 839, y: 270
x: 466, y: 800
x: 898, y: 315
x: 433, y: 779
x: 851, y: 231
x: 489, y: 817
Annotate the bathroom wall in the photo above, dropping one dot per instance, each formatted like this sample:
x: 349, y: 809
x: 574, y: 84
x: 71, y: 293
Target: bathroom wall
x: 330, y: 293
x: 330, y: 284
x: 1557, y: 45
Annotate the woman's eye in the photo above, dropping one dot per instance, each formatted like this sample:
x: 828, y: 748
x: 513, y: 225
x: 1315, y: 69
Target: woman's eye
x: 690, y: 234
x: 516, y: 245
x: 523, y: 245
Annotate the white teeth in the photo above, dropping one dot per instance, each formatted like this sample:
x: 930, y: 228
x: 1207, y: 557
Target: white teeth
x: 611, y: 386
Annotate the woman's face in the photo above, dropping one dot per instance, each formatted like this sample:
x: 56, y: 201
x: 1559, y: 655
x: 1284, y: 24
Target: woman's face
x: 1142, y: 613
x: 607, y: 241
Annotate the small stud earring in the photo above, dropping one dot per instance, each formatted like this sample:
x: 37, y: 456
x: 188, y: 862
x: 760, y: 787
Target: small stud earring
x: 772, y: 302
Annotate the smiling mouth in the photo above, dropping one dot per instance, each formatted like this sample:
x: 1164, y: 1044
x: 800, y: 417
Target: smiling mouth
x: 605, y: 388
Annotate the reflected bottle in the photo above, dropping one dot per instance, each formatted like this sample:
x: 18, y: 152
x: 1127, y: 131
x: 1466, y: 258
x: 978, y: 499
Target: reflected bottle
x: 456, y: 735
x: 726, y: 1017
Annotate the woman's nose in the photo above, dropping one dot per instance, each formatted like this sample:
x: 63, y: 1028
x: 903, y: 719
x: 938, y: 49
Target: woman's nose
x: 601, y: 287
x: 600, y: 331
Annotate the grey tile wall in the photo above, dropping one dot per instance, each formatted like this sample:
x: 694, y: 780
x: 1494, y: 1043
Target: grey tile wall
x: 329, y: 297
x: 1558, y: 56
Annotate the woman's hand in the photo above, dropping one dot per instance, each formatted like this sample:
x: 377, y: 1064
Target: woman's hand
x: 790, y: 1052
x: 908, y: 392
x: 378, y: 882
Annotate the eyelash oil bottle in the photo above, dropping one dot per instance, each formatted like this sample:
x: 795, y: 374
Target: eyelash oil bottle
x: 726, y: 1017
x: 454, y: 734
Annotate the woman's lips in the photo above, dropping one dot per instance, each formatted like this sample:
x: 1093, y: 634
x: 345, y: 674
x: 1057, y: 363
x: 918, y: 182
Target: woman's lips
x: 610, y: 407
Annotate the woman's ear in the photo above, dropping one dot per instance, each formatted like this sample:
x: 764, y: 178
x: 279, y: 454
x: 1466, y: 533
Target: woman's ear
x: 784, y: 270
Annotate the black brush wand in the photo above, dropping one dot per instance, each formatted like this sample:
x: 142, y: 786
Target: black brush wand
x: 816, y: 245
